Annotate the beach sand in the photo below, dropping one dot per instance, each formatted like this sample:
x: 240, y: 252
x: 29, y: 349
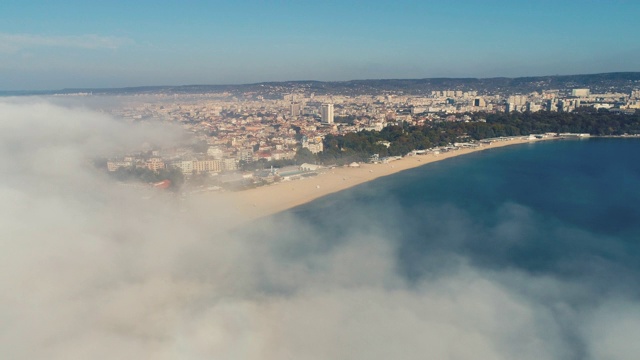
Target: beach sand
x: 275, y: 198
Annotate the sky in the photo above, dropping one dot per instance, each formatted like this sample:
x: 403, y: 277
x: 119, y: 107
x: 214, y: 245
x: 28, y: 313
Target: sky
x: 85, y: 44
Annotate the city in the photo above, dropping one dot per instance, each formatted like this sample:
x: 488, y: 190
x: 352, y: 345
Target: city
x: 246, y: 131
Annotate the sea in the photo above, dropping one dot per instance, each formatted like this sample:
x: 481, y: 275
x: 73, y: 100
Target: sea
x: 568, y: 209
x: 534, y: 248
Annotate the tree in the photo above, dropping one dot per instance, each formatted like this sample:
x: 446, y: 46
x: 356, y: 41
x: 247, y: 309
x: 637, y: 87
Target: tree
x: 304, y: 155
x: 359, y: 146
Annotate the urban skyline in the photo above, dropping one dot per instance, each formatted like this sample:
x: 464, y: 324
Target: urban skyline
x: 72, y: 44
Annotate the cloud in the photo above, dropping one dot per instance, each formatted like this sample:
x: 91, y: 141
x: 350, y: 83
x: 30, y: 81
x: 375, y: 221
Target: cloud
x: 90, y: 269
x: 11, y: 43
x: 609, y: 330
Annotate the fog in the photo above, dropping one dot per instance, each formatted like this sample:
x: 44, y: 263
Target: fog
x: 90, y: 269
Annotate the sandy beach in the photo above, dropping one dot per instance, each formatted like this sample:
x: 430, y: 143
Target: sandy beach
x: 275, y: 198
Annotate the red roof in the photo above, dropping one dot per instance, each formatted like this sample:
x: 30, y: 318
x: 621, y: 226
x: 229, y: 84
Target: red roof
x: 164, y: 184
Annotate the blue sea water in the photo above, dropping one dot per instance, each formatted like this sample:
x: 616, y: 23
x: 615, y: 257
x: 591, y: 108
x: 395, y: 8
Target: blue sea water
x: 569, y: 209
x: 551, y: 229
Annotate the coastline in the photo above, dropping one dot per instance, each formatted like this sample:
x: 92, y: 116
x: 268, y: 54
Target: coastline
x: 272, y: 199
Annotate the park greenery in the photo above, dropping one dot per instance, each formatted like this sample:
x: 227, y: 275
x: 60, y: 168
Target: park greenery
x: 404, y: 138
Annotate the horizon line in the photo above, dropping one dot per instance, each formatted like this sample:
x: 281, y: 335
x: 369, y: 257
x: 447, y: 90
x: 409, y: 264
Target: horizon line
x: 310, y: 80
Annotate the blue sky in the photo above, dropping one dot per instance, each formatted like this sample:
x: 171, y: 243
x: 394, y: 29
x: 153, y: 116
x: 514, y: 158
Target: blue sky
x: 62, y: 44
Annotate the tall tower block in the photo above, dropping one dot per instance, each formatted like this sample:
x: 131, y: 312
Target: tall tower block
x: 327, y: 113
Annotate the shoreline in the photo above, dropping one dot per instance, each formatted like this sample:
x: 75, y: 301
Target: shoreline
x: 268, y: 200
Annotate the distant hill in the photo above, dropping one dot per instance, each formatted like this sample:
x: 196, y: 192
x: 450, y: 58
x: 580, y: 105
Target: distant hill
x: 618, y: 81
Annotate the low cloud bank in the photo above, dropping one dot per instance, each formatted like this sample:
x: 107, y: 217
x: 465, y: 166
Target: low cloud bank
x: 93, y: 270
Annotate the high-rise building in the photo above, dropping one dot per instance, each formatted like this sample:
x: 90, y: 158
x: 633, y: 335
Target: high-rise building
x: 295, y: 109
x: 479, y: 102
x: 551, y: 105
x: 517, y: 100
x: 532, y: 107
x: 561, y: 106
x: 327, y: 113
x: 509, y: 107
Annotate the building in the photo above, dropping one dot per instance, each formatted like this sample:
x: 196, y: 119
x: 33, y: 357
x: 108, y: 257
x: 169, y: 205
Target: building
x: 245, y: 154
x: 314, y: 144
x: 479, y: 102
x: 517, y: 100
x: 532, y: 107
x: 509, y: 107
x: 327, y: 113
x: 310, y: 167
x: 186, y: 166
x: 115, y: 165
x: 155, y: 164
x: 229, y: 164
x: 207, y: 166
x: 580, y: 92
x: 296, y: 109
x: 215, y: 152
x: 551, y: 105
x: 561, y: 105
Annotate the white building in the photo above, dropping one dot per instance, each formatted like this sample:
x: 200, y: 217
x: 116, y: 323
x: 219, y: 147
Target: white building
x: 215, y: 152
x: 207, y: 166
x: 229, y: 164
x: 580, y: 92
x: 314, y: 144
x: 327, y: 113
x: 310, y: 167
x: 154, y: 164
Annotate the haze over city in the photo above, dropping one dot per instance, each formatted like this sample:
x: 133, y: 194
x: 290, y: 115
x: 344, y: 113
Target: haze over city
x: 78, y: 44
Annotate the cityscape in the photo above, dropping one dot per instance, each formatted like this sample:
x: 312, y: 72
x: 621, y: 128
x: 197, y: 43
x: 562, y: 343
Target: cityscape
x: 237, y: 131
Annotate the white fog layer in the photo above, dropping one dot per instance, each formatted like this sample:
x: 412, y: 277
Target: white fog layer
x: 90, y: 269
